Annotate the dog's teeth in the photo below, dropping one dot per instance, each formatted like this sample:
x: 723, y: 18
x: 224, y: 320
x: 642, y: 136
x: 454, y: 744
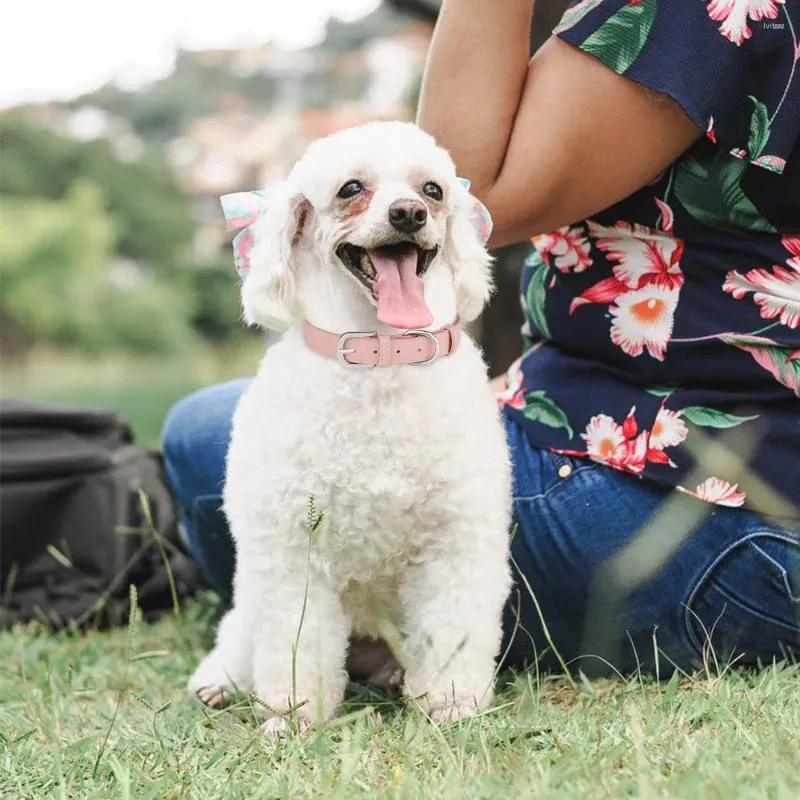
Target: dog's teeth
x: 367, y: 267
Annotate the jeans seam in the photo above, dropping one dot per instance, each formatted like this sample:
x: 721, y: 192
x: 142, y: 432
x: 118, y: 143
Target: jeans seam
x: 712, y: 566
x: 560, y: 482
x: 784, y: 573
x: 733, y: 600
x: 559, y: 459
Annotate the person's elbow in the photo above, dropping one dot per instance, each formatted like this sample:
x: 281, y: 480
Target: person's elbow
x: 517, y: 215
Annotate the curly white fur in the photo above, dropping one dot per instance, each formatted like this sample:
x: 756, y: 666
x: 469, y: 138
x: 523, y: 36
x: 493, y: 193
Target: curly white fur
x: 408, y: 465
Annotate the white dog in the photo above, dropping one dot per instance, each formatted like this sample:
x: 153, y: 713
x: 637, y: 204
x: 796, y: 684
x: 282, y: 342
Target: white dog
x: 393, y: 436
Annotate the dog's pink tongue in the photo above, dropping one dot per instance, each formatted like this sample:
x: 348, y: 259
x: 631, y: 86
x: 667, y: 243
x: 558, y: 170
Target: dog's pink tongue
x: 400, y: 291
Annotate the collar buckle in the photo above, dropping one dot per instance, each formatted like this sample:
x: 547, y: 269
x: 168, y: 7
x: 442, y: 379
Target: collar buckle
x: 437, y: 349
x: 341, y: 351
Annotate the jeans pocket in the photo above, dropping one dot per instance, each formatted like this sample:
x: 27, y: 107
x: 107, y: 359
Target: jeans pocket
x: 747, y: 603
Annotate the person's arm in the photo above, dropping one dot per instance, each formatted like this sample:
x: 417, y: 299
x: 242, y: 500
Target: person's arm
x: 544, y: 143
x: 473, y: 81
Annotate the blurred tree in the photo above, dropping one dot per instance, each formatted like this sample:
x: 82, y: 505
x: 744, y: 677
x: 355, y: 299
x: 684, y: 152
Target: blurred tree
x: 52, y: 255
x: 216, y: 311
x: 60, y: 285
x: 344, y: 35
x: 151, y: 212
x: 132, y: 289
x: 196, y: 87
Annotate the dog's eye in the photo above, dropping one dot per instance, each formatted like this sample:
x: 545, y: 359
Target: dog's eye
x: 350, y: 189
x: 433, y: 190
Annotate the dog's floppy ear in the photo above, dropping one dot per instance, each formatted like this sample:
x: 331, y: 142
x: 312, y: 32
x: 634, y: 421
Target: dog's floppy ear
x: 270, y: 224
x: 465, y: 251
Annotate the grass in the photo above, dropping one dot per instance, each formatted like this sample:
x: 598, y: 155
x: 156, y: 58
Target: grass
x: 105, y: 715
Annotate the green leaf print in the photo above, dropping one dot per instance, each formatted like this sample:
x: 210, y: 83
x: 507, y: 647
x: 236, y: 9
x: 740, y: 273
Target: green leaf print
x: 620, y: 39
x: 660, y: 391
x: 540, y: 408
x: 710, y: 189
x: 780, y: 361
x: 712, y: 418
x: 536, y: 295
x: 759, y: 129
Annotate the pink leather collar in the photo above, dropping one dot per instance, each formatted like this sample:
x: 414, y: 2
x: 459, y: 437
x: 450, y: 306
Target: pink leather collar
x: 365, y: 349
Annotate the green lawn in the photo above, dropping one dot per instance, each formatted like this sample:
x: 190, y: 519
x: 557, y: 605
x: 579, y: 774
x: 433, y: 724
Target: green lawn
x: 106, y: 715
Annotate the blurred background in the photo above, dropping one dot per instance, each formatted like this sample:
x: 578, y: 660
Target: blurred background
x: 120, y: 127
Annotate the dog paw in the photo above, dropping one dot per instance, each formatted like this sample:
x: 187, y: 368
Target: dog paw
x: 213, y: 682
x: 215, y: 696
x: 453, y: 710
x: 280, y: 726
x: 389, y: 677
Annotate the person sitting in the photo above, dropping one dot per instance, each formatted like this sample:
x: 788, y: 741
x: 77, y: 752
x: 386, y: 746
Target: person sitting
x: 651, y: 153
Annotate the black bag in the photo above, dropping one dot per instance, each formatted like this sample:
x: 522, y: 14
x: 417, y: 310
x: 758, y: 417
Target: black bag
x: 84, y: 513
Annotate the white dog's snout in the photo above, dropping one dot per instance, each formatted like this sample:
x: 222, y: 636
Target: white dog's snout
x: 407, y: 216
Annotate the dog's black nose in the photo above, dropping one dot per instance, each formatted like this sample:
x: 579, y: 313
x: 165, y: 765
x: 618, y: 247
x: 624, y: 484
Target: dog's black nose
x: 407, y: 216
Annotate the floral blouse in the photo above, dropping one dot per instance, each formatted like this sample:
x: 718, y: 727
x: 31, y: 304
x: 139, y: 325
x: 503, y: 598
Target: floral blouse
x: 671, y: 320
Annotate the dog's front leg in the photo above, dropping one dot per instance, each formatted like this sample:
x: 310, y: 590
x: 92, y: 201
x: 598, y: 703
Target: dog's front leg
x: 453, y: 607
x: 229, y: 666
x: 300, y: 634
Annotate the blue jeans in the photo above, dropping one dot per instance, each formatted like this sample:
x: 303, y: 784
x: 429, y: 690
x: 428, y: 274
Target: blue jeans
x: 603, y: 578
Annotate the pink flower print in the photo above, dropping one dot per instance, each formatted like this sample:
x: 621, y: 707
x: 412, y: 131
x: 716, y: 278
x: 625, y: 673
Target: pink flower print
x: 643, y: 255
x: 513, y: 395
x: 606, y: 291
x: 772, y: 163
x: 784, y: 368
x: 568, y: 247
x: 776, y: 293
x: 734, y: 16
x: 718, y: 491
x: 647, y: 278
x: 604, y: 438
x: 666, y: 218
x: 619, y: 446
x: 624, y: 446
x: 643, y: 319
x: 668, y: 430
x: 792, y: 244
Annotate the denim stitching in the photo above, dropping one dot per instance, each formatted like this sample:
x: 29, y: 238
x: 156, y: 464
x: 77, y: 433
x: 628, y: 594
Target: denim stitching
x: 784, y: 573
x: 744, y: 606
x: 559, y: 459
x: 788, y: 538
x: 560, y: 482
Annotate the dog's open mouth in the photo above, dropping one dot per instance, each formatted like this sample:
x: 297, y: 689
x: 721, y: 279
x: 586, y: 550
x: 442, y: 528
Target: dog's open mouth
x: 361, y: 262
x: 393, y: 275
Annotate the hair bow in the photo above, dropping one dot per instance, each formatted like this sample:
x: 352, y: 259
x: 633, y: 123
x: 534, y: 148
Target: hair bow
x: 481, y: 218
x: 242, y: 209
